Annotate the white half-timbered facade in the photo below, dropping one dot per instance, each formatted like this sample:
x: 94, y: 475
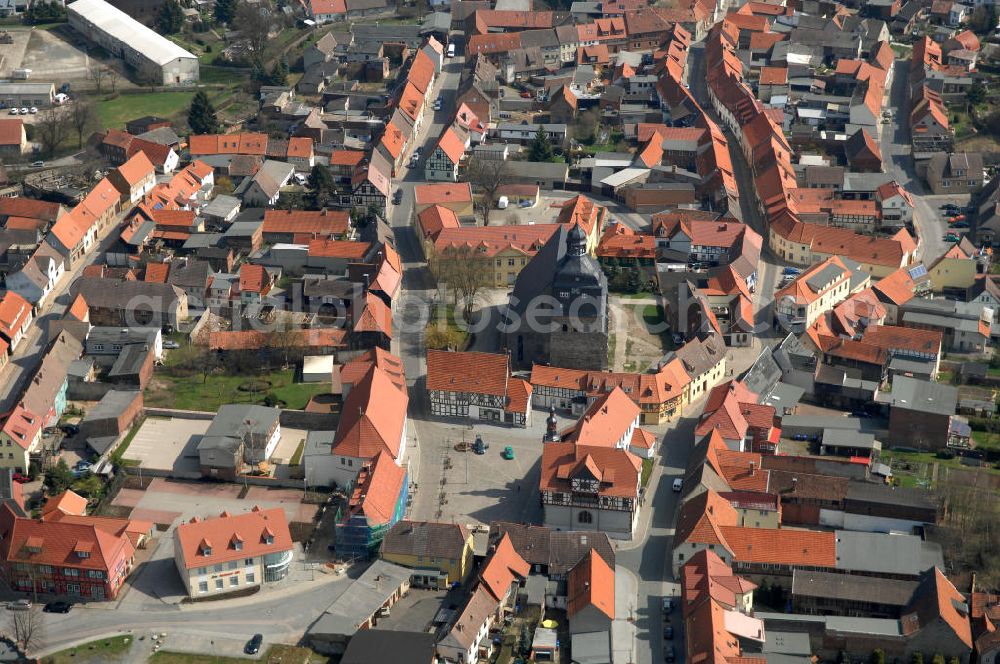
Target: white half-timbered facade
x: 477, y: 386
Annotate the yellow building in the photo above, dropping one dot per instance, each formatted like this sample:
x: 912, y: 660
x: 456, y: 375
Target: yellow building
x: 819, y: 289
x: 442, y: 552
x: 20, y: 435
x: 499, y: 251
x: 956, y: 269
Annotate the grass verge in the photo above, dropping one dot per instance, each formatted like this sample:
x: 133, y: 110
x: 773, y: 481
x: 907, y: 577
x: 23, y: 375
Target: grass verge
x: 647, y: 471
x: 102, y: 650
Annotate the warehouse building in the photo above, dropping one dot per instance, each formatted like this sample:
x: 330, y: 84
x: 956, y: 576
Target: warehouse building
x: 146, y: 52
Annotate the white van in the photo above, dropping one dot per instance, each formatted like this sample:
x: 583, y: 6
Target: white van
x: 502, y: 203
x: 451, y: 50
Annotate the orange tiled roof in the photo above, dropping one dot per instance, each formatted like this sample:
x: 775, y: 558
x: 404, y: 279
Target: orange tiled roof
x: 435, y: 219
x: 503, y: 567
x: 591, y: 582
x: 442, y: 193
x: 616, y: 469
x: 782, y: 546
x: 136, y: 169
x: 233, y: 537
x: 365, y: 429
x: 605, y: 421
x: 377, y: 490
x: 327, y: 248
x: 480, y: 373
x: 157, y: 272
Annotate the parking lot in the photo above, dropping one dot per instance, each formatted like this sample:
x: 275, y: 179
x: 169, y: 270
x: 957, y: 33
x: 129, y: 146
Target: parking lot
x: 168, y: 444
x: 51, y: 56
x: 171, y: 444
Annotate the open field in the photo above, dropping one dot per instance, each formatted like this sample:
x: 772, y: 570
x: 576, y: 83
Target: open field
x: 174, y: 389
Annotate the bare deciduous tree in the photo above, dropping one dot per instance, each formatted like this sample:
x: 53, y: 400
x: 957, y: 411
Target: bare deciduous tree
x: 51, y: 129
x: 82, y: 115
x: 26, y: 626
x: 489, y: 175
x: 254, y: 22
x: 460, y: 270
x: 113, y: 78
x: 98, y: 74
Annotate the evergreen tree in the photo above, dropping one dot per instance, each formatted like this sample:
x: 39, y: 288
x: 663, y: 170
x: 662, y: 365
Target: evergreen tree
x: 541, y: 147
x: 321, y: 183
x: 279, y: 73
x: 170, y: 18
x: 201, y: 115
x: 918, y: 658
x: 58, y: 478
x: 938, y: 659
x: 878, y: 657
x: 225, y: 10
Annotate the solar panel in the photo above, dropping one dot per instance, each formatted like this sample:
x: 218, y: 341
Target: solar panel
x: 918, y: 271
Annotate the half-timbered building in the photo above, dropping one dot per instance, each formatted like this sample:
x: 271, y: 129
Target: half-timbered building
x: 477, y: 386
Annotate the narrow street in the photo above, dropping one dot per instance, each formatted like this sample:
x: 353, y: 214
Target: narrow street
x: 28, y: 353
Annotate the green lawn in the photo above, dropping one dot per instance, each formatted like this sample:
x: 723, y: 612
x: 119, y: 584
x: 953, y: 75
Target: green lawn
x: 174, y: 389
x: 647, y: 471
x: 447, y: 330
x: 102, y: 650
x: 276, y: 654
x: 115, y: 112
x: 986, y: 440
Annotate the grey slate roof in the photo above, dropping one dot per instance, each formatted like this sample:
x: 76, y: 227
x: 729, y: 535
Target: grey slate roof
x: 886, y: 554
x: 848, y: 587
x: 426, y: 538
x: 383, y: 645
x: 924, y: 396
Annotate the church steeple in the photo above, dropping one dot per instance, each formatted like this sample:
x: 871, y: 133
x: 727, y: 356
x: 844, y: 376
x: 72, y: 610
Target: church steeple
x: 551, y: 427
x: 576, y: 241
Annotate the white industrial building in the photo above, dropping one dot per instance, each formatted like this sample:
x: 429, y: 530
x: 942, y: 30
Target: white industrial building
x: 125, y: 38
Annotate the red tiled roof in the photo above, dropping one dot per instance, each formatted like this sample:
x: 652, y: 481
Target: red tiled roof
x: 233, y: 537
x: 375, y: 317
x: 14, y: 312
x: 605, y: 421
x: 156, y: 272
x: 327, y: 248
x: 67, y: 502
x: 591, y: 582
x: 502, y: 568
x: 480, y: 373
x: 330, y: 223
x: 616, y: 469
x: 377, y: 489
x: 11, y: 131
x: 782, y: 546
x: 435, y: 219
x: 136, y: 169
x: 365, y: 429
x: 442, y: 193
x: 490, y: 240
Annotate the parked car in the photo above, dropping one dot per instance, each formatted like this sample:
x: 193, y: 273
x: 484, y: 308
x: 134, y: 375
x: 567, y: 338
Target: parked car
x: 24, y: 110
x: 480, y: 446
x: 38, y: 164
x: 397, y: 198
x: 19, y: 605
x: 951, y: 237
x: 70, y: 429
x: 791, y: 272
x: 858, y: 413
x: 668, y: 605
x: 81, y: 468
x: 508, y: 453
x: 678, y: 484
x: 677, y: 339
x: 668, y: 632
x: 526, y: 95
x: 21, y: 478
x: 668, y: 654
x: 13, y: 111
x: 57, y: 607
x: 800, y: 436
x: 33, y: 110
x: 253, y: 645
x: 956, y: 218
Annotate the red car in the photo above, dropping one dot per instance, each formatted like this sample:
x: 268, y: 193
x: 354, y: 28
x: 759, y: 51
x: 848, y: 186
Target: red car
x: 21, y: 479
x: 526, y: 95
x: 957, y: 218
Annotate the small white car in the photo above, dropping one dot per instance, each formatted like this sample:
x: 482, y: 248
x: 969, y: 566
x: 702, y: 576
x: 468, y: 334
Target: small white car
x: 678, y: 484
x: 24, y: 110
x: 33, y: 110
x: 13, y: 111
